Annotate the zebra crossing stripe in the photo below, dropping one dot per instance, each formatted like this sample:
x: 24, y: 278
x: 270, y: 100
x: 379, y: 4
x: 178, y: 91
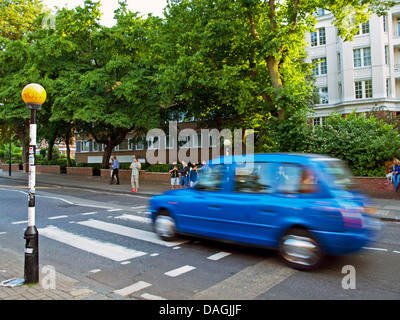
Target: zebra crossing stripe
x: 130, y: 232
x: 103, y: 249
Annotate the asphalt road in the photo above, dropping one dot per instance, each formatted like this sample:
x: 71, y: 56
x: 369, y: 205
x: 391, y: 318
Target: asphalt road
x: 106, y: 241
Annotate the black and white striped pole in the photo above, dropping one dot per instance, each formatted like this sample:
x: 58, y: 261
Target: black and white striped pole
x: 34, y: 96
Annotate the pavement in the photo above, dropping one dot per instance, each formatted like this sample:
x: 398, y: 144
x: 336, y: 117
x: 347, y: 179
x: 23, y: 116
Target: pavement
x: 12, y: 262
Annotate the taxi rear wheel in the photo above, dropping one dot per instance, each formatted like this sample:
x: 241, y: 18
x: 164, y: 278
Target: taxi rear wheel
x: 164, y: 226
x: 300, y: 250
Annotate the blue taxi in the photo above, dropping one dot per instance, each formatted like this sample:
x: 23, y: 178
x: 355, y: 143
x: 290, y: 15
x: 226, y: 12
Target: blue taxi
x: 304, y: 205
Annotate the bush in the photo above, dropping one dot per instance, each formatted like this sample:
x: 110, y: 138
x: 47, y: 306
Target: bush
x: 161, y: 167
x: 364, y: 143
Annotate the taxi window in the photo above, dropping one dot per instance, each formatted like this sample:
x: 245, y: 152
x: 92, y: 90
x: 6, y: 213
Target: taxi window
x: 293, y: 178
x: 211, y: 178
x: 253, y: 178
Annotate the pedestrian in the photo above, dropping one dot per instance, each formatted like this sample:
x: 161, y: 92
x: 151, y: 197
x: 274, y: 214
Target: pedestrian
x: 396, y: 174
x: 184, y: 175
x: 193, y: 175
x: 115, y: 169
x: 174, y: 171
x: 135, y: 166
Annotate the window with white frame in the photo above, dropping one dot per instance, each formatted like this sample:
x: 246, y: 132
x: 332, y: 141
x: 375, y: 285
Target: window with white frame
x: 96, y: 146
x: 385, y: 24
x: 323, y: 93
x: 124, y: 145
x: 318, y: 38
x: 140, y: 143
x: 320, y: 66
x: 362, y: 57
x: 153, y: 142
x: 85, y: 146
x: 363, y: 89
x: 363, y: 28
x: 388, y: 87
x: 386, y: 55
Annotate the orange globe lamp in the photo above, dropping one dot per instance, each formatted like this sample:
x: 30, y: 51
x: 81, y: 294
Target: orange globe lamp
x: 34, y: 95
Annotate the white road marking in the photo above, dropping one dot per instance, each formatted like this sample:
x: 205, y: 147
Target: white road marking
x: 256, y: 279
x: 19, y: 222
x: 95, y: 270
x: 3, y: 232
x: 148, y: 296
x: 131, y: 217
x: 133, y: 288
x: 103, y: 249
x: 57, y: 217
x: 377, y: 249
x: 129, y: 232
x: 218, y: 256
x: 112, y: 210
x: 88, y: 213
x: 177, y: 272
x: 139, y: 207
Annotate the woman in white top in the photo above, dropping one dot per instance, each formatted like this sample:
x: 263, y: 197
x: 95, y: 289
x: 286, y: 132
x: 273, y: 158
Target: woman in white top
x: 135, y: 166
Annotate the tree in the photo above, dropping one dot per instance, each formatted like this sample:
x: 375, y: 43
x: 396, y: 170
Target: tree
x: 18, y: 21
x: 105, y: 75
x: 246, y: 56
x: 19, y: 18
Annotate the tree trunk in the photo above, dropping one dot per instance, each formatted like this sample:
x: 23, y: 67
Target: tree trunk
x: 107, y: 155
x: 276, y: 80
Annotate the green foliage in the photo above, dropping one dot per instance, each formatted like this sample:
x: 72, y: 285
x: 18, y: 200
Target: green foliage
x: 364, y: 143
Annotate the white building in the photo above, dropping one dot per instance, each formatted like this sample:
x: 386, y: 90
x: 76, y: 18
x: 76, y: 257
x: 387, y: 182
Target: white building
x: 362, y: 74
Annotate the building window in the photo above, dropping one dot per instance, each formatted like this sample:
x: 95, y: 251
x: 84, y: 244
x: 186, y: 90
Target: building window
x: 85, y: 146
x: 322, y: 36
x: 368, y: 89
x: 365, y: 28
x: 320, y: 66
x: 318, y: 37
x: 388, y: 91
x: 367, y: 56
x: 362, y: 57
x: 323, y: 92
x: 140, y: 143
x: 124, y: 145
x: 386, y: 55
x: 385, y: 23
x: 96, y: 146
x: 359, y: 94
x: 153, y: 142
x: 363, y: 89
x: 339, y: 62
x: 314, y: 39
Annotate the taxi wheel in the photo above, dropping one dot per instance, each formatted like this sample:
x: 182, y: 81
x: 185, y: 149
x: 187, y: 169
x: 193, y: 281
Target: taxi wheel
x: 164, y: 226
x: 300, y: 250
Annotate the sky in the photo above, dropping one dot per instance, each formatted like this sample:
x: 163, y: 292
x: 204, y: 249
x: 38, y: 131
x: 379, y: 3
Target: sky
x: 108, y: 6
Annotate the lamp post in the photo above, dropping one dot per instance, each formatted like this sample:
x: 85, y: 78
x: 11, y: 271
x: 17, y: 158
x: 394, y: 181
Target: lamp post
x: 34, y: 96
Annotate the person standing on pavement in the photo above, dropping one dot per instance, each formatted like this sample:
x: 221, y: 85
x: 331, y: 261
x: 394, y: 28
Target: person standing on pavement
x: 184, y: 175
x: 115, y: 168
x: 396, y: 174
x: 135, y: 166
x: 174, y: 171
